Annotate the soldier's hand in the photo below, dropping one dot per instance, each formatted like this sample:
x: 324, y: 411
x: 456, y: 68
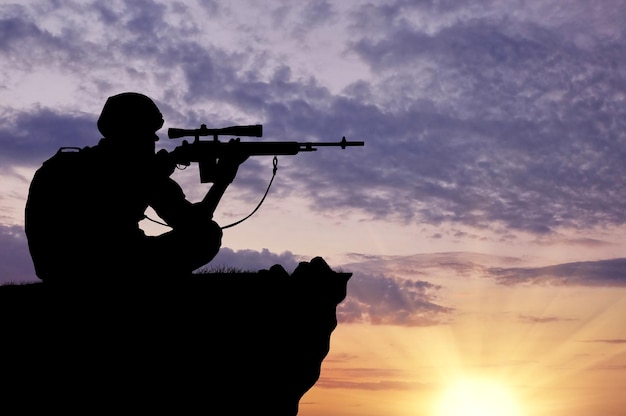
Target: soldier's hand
x: 228, y: 164
x: 164, y: 162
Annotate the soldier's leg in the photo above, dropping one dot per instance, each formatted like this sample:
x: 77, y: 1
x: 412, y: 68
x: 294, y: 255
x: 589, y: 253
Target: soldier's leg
x: 182, y: 251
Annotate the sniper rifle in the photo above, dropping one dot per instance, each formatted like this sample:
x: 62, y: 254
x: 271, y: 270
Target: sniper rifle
x: 207, y: 152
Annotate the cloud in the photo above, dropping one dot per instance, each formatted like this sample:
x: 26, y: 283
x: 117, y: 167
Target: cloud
x: 514, y: 119
x: 473, y: 116
x: 386, y: 289
x: 340, y: 357
x: 18, y: 32
x: 541, y: 319
x: 383, y: 385
x: 430, y: 265
x: 251, y: 260
x: 582, y: 242
x: 607, y: 273
x: 372, y: 299
x: 380, y: 300
x: 29, y: 138
x: 373, y: 379
x: 610, y: 367
x: 608, y: 341
x: 15, y: 262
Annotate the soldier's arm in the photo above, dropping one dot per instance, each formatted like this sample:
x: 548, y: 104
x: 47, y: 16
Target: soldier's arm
x: 227, y: 168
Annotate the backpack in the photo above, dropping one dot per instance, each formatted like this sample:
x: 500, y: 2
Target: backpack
x: 56, y: 185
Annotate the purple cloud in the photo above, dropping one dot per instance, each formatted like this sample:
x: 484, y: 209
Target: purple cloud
x: 609, y: 273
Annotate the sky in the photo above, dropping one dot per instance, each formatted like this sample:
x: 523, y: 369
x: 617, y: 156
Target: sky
x: 483, y: 220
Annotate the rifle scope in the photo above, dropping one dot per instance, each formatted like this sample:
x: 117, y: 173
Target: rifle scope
x: 255, y: 130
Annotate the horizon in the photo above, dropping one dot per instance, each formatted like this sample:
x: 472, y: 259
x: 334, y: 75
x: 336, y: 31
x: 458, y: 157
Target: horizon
x: 483, y: 220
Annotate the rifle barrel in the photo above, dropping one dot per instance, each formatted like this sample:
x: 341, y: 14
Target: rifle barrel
x: 343, y: 143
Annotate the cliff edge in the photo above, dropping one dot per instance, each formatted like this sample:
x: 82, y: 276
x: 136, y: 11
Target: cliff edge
x: 215, y: 343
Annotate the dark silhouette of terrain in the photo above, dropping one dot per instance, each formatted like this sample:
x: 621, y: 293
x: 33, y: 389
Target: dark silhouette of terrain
x: 244, y: 343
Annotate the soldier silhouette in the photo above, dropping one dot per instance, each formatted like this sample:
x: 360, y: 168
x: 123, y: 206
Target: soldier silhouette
x: 84, y: 205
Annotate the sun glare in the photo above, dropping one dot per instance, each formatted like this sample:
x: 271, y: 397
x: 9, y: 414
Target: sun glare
x: 477, y: 398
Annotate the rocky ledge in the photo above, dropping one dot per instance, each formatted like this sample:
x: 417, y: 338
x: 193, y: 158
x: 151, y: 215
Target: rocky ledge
x: 215, y: 343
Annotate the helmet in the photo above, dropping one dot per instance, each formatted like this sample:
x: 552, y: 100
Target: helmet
x: 129, y: 113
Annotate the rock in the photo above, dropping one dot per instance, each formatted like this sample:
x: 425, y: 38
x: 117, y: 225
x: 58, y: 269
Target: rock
x: 227, y: 343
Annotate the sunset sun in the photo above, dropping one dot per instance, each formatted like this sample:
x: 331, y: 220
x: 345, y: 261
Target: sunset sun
x: 475, y: 397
